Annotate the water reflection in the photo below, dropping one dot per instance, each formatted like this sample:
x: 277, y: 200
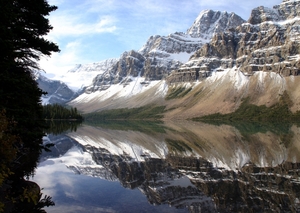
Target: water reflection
x: 190, y: 166
x: 56, y: 127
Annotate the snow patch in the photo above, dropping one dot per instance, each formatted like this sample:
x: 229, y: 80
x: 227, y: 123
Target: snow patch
x: 235, y: 75
x: 76, y: 157
x: 137, y: 85
x: 182, y: 57
x: 116, y: 147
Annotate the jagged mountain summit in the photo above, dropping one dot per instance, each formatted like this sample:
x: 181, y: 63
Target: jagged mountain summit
x: 210, y: 22
x: 269, y: 41
x: 207, y: 24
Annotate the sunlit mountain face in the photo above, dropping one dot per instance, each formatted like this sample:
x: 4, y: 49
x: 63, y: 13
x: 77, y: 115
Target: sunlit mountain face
x: 185, y: 166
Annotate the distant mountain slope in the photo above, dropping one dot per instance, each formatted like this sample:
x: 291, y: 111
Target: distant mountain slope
x: 72, y: 83
x: 57, y: 91
x: 82, y: 75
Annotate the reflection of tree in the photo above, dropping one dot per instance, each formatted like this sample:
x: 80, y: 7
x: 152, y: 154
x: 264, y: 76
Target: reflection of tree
x: 16, y: 194
x: 57, y: 127
x: 148, y: 127
x: 8, y: 150
x: 246, y: 128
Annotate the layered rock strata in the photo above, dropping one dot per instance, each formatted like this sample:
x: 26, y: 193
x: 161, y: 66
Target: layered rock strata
x: 269, y: 42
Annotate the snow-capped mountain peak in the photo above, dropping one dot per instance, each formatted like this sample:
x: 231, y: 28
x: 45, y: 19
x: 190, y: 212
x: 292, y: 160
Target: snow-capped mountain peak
x: 210, y: 22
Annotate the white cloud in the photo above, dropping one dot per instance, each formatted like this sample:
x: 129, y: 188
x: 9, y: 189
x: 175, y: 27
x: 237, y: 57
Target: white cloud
x: 55, y: 2
x: 106, y: 24
x: 71, y: 25
x: 60, y: 63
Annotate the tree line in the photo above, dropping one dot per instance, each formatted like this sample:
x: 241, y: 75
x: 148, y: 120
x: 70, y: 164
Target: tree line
x: 59, y: 112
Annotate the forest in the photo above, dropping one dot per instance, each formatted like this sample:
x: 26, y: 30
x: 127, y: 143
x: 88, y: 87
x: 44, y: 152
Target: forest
x: 58, y: 112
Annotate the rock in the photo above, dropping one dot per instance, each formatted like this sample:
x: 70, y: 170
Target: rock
x: 270, y: 41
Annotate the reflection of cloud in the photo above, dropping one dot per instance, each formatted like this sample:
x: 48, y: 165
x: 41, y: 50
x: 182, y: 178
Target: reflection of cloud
x: 49, y: 176
x: 53, y: 172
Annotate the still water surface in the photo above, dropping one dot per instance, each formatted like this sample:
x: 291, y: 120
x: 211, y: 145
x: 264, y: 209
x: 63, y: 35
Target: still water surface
x: 173, y: 167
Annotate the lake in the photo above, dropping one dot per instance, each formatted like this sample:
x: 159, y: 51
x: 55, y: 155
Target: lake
x: 180, y: 166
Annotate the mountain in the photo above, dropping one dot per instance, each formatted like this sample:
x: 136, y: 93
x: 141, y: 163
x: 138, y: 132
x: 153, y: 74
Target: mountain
x: 73, y: 83
x: 259, y: 60
x: 230, y: 60
x: 144, y: 71
x: 181, y: 45
x: 57, y: 91
x: 82, y: 74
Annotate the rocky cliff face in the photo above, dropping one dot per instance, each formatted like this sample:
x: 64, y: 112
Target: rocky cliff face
x: 130, y: 65
x: 269, y: 42
x: 211, y: 22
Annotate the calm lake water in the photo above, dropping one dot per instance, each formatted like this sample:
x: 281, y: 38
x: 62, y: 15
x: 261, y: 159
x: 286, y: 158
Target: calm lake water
x: 173, y: 167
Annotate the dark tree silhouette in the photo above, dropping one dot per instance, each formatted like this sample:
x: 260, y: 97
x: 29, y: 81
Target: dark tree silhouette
x: 23, y: 25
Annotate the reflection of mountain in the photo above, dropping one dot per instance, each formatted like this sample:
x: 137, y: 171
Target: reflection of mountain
x: 202, y: 167
x: 154, y: 177
x: 252, y: 189
x: 61, y: 144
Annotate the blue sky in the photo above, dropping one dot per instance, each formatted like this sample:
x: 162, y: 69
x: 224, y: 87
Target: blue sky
x: 89, y: 31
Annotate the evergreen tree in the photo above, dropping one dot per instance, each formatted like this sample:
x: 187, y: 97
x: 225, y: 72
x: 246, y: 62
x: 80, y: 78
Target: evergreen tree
x: 22, y: 27
x: 23, y: 24
x: 58, y: 112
